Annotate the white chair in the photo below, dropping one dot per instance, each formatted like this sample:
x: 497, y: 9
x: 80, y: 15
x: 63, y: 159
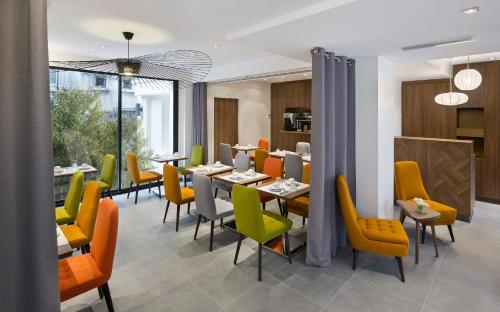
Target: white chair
x: 225, y: 154
x: 293, y: 166
x: 303, y: 148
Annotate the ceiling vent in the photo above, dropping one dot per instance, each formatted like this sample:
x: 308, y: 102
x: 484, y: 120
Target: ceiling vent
x: 439, y: 43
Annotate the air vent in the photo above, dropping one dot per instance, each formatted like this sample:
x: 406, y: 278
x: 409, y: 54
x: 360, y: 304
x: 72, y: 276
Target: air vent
x: 439, y: 43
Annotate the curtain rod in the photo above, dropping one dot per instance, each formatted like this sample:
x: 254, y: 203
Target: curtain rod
x: 336, y: 58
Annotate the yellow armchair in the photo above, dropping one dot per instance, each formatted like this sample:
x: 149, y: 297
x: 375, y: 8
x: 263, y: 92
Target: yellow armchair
x: 381, y: 236
x: 409, y: 185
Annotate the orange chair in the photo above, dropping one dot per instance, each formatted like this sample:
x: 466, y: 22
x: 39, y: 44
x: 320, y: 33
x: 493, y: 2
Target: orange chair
x: 260, y: 157
x: 272, y: 167
x: 263, y: 144
x: 138, y: 177
x: 300, y: 205
x: 174, y: 193
x: 82, y: 273
x: 81, y: 233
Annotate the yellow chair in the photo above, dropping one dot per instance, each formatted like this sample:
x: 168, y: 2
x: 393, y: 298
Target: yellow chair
x: 107, y: 174
x: 174, y: 193
x: 67, y: 214
x: 409, y: 185
x: 81, y: 233
x: 300, y: 205
x: 381, y: 236
x: 260, y: 157
x: 138, y: 177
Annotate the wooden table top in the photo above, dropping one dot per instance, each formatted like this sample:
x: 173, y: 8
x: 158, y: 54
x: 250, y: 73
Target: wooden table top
x: 209, y: 170
x: 281, y: 154
x: 245, y: 148
x: 410, y: 210
x: 63, y: 246
x: 246, y: 180
x: 301, y: 190
x: 166, y: 159
x: 67, y: 171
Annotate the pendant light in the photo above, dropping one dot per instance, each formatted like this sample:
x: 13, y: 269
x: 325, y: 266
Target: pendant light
x: 468, y: 79
x: 128, y: 67
x: 451, y: 98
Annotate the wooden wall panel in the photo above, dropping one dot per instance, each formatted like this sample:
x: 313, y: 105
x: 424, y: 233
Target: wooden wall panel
x: 283, y: 95
x: 225, y: 123
x: 447, y: 168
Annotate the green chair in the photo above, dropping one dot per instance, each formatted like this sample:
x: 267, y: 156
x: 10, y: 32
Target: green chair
x: 107, y: 174
x: 67, y: 214
x: 196, y: 160
x: 257, y: 224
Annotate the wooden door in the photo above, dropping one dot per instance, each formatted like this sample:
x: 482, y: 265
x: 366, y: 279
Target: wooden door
x: 225, y: 123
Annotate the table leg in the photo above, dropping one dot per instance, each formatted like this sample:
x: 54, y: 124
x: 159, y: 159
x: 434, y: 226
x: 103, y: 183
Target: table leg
x: 417, y: 235
x: 434, y: 238
x: 402, y: 216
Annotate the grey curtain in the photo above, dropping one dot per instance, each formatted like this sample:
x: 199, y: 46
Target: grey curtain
x: 28, y: 248
x: 200, y: 117
x: 333, y: 152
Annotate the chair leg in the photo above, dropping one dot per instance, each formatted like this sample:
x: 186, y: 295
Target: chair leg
x: 263, y: 206
x: 279, y: 205
x: 303, y: 221
x: 107, y: 297
x: 240, y: 238
x: 229, y: 194
x: 287, y: 247
x: 177, y: 218
x: 197, y: 227
x: 166, y: 210
x: 189, y: 208
x: 185, y: 181
x: 215, y: 195
x: 149, y: 187
x: 129, y: 188
x: 423, y: 233
x: 260, y: 262
x: 355, y: 253
x: 136, y: 192
x: 221, y: 223
x: 159, y: 189
x: 109, y: 193
x: 99, y: 290
x: 450, y: 229
x: 401, y: 271
x: 212, y: 224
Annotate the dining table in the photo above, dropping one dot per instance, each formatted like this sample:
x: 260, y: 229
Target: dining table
x: 245, y: 148
x: 67, y: 171
x: 242, y: 177
x: 209, y: 170
x: 63, y: 247
x: 165, y: 158
x: 281, y: 154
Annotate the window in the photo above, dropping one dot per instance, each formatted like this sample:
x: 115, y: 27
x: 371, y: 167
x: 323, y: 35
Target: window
x: 100, y: 81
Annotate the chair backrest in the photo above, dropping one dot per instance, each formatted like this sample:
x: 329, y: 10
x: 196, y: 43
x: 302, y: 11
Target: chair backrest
x: 225, y: 154
x: 72, y: 201
x: 171, y: 184
x: 205, y: 202
x: 408, y: 181
x: 108, y: 169
x: 247, y: 212
x: 303, y: 148
x: 133, y: 168
x: 260, y: 157
x: 293, y: 166
x: 242, y: 161
x: 306, y: 174
x: 103, y: 244
x: 88, y: 210
x: 273, y: 167
x: 196, y: 156
x: 349, y: 212
x: 264, y: 144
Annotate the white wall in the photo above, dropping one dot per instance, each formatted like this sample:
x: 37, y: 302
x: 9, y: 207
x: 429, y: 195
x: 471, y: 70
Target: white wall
x: 185, y: 120
x: 254, y: 108
x: 378, y: 120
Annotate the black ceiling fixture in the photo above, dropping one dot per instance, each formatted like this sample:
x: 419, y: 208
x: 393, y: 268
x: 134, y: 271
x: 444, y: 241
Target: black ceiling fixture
x: 151, y: 70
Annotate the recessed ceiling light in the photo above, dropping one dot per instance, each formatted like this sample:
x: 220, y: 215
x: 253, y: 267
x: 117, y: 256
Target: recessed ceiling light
x: 104, y: 46
x: 306, y: 74
x: 470, y: 10
x: 265, y: 79
x: 282, y: 77
x: 217, y: 45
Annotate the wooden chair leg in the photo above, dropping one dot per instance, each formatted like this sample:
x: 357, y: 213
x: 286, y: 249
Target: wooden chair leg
x: 423, y: 233
x: 215, y: 195
x: 136, y: 192
x: 450, y: 229
x: 177, y: 218
x: 129, y: 188
x: 240, y: 238
x: 355, y: 253
x: 287, y: 247
x: 107, y: 297
x: 212, y: 224
x: 166, y: 210
x: 260, y: 262
x: 401, y: 271
x: 197, y: 227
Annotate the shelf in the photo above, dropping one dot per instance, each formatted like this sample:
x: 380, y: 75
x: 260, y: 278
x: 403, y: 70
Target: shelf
x: 296, y: 132
x: 469, y: 132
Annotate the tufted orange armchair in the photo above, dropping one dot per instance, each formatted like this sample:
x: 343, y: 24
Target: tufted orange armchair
x: 381, y: 236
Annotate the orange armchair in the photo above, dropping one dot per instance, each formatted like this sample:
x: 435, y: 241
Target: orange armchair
x: 82, y: 273
x: 138, y: 177
x: 300, y: 205
x: 174, y: 193
x: 273, y: 167
x: 381, y: 236
x: 409, y: 185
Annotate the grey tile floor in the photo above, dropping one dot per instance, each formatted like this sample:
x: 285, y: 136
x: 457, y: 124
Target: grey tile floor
x: 157, y: 269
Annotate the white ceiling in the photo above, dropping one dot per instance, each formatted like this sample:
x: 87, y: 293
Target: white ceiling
x: 262, y: 36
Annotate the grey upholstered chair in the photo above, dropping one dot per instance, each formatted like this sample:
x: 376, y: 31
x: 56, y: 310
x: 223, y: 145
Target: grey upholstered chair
x: 293, y: 166
x: 241, y: 163
x: 207, y: 206
x: 225, y: 154
x: 303, y: 148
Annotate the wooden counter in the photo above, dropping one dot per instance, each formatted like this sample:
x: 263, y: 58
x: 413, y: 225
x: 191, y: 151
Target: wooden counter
x: 447, y: 168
